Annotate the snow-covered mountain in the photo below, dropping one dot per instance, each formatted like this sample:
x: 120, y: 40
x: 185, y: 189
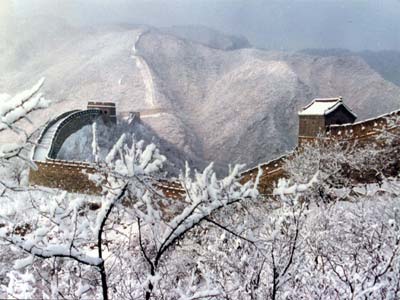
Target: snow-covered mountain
x: 385, y: 62
x: 221, y: 101
x: 208, y: 37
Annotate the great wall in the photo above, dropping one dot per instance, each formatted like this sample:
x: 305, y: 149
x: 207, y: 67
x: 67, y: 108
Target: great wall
x: 72, y: 175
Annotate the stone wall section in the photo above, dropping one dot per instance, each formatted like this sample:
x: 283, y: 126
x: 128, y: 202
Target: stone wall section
x: 108, y: 110
x: 52, y: 122
x: 360, y: 133
x: 73, y: 177
x: 64, y: 175
x: 310, y: 126
x: 69, y: 176
x: 363, y: 129
x: 71, y: 125
x: 272, y: 171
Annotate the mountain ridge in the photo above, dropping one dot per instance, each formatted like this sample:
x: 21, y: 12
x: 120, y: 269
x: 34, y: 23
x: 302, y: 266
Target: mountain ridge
x: 227, y: 106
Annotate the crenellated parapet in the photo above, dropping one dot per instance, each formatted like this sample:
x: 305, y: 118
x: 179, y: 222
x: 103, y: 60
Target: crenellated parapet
x: 69, y: 126
x: 43, y: 144
x: 359, y: 133
x: 72, y: 176
x: 272, y: 171
x: 107, y: 110
x: 363, y: 130
x: 335, y: 125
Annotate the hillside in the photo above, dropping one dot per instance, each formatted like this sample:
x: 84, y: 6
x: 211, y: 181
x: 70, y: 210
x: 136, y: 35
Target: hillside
x: 208, y: 37
x: 236, y: 106
x: 384, y: 62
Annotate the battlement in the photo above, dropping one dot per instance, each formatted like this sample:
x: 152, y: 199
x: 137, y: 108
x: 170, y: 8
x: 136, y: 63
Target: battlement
x: 108, y: 110
x: 316, y: 117
x: 334, y: 122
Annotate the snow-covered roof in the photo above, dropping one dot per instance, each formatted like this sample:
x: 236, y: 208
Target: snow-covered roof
x: 323, y: 106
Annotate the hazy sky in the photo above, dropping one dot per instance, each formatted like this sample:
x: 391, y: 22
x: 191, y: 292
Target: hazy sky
x: 276, y: 24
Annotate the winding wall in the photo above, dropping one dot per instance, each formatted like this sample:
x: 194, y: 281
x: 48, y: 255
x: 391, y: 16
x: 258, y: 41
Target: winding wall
x: 358, y: 133
x: 69, y: 175
x: 54, y: 173
x: 41, y: 149
x: 70, y: 125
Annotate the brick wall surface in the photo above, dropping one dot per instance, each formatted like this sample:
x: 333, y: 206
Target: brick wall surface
x: 64, y: 176
x: 271, y: 172
x: 311, y: 125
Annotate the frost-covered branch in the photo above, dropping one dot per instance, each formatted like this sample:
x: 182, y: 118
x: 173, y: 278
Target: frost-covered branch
x: 14, y: 109
x: 52, y: 251
x: 205, y: 196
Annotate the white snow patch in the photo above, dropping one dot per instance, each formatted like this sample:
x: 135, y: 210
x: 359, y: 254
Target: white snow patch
x: 156, y: 115
x: 145, y: 72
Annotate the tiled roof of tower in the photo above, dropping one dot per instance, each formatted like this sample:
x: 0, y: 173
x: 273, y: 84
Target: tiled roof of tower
x: 323, y: 106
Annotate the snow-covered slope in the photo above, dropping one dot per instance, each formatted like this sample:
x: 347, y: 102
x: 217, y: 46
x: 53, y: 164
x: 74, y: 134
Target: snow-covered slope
x: 236, y: 106
x: 385, y: 62
x: 242, y: 105
x: 208, y: 37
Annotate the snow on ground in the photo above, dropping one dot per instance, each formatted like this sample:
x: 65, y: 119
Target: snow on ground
x: 145, y: 72
x: 156, y: 115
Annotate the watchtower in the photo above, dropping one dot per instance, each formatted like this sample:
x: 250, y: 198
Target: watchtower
x: 316, y: 117
x: 108, y: 110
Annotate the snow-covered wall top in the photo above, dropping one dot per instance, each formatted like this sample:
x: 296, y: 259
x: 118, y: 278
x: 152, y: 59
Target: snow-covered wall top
x: 59, y: 129
x: 41, y: 149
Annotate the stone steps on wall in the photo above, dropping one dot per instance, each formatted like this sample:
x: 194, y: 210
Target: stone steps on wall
x: 42, y: 149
